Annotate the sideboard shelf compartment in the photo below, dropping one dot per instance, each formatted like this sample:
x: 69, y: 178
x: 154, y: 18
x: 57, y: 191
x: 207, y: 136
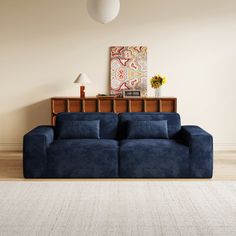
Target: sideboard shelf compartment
x: 111, y: 104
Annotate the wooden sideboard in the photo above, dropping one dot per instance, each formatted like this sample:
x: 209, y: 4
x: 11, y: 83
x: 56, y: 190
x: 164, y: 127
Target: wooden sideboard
x: 111, y: 104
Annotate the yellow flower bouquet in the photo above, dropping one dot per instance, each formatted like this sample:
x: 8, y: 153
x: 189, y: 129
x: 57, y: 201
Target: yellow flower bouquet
x: 157, y: 81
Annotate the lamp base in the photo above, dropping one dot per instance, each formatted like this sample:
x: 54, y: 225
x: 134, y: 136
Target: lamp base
x: 82, y: 91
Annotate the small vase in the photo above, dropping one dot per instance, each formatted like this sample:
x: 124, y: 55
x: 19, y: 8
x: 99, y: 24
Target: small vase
x: 157, y: 92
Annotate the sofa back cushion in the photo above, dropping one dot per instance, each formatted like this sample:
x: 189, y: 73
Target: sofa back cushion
x: 147, y: 129
x: 173, y: 121
x: 75, y: 129
x: 108, y: 122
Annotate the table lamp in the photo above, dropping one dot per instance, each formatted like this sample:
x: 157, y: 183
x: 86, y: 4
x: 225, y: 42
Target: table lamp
x: 82, y: 79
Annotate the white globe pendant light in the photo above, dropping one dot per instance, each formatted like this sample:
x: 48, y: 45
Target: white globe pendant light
x: 103, y: 11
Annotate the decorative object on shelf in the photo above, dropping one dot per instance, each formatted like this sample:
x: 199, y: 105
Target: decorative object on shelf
x: 101, y: 95
x: 131, y: 93
x: 103, y: 11
x: 156, y: 82
x: 82, y: 79
x: 128, y: 69
x: 158, y: 92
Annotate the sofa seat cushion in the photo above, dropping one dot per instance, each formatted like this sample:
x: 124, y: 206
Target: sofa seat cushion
x: 83, y: 158
x: 152, y: 158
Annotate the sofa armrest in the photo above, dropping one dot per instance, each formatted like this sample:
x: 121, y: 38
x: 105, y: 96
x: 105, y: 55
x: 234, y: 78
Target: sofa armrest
x: 35, y: 144
x: 201, y: 151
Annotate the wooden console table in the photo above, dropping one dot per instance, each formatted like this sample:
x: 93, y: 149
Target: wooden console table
x: 110, y: 104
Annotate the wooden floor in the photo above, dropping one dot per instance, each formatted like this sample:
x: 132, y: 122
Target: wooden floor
x: 224, y: 168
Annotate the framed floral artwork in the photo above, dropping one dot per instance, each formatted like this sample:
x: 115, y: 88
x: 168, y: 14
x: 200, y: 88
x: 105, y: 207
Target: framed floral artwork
x: 128, y: 69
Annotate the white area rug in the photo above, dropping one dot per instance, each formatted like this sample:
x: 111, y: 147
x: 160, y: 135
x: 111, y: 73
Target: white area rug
x: 108, y: 208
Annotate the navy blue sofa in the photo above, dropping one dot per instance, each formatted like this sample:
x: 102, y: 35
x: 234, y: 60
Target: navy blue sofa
x: 126, y: 145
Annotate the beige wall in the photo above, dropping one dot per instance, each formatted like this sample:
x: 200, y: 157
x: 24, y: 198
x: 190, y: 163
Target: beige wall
x: 44, y: 44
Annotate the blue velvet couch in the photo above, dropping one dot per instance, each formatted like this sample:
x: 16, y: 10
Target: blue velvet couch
x: 126, y: 145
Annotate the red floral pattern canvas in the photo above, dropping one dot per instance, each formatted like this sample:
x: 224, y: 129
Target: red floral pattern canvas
x: 128, y: 69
